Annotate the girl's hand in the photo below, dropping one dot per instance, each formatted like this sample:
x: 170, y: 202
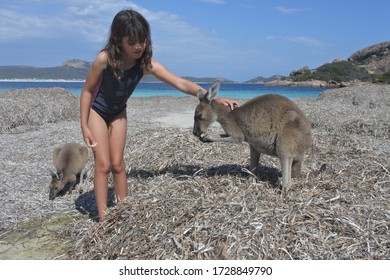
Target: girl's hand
x: 227, y: 102
x: 88, y: 138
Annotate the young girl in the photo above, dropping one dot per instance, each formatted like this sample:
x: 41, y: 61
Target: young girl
x: 113, y: 76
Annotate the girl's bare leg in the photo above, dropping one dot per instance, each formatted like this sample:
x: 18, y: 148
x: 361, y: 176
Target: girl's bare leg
x: 117, y: 138
x: 102, y: 161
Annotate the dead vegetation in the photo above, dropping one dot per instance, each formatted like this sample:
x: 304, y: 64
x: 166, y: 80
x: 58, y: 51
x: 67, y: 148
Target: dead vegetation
x: 23, y: 109
x: 191, y: 200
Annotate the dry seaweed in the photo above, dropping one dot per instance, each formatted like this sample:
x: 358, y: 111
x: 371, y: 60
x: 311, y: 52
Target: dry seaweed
x: 193, y: 200
x: 20, y: 111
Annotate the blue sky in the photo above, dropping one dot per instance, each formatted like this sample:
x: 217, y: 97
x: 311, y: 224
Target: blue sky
x: 238, y: 40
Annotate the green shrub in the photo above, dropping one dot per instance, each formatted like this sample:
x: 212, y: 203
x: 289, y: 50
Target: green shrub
x: 382, y: 78
x: 340, y: 71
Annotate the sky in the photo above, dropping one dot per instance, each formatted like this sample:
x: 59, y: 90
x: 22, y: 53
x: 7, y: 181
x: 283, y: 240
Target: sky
x: 238, y: 40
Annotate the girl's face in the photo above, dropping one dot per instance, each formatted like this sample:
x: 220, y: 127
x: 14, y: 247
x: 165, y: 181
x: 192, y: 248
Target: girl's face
x: 131, y: 49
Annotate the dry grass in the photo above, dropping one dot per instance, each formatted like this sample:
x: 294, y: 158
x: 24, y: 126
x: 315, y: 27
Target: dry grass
x: 19, y: 111
x: 191, y: 200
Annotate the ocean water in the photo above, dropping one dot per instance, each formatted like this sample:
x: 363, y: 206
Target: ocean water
x: 161, y: 89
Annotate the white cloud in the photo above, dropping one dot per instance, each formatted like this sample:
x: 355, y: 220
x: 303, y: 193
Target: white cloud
x: 89, y: 21
x: 287, y: 11
x: 14, y: 25
x: 174, y: 37
x: 214, y: 1
x: 306, y: 41
x: 182, y: 47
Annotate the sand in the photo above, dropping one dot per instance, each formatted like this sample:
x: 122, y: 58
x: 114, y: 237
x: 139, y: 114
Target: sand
x: 351, y: 138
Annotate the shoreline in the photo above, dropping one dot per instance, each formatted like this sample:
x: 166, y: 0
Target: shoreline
x: 41, y: 80
x: 236, y: 91
x: 276, y: 83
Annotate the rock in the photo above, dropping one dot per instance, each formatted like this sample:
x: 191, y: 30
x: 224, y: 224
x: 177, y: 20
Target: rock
x: 375, y: 59
x: 310, y: 83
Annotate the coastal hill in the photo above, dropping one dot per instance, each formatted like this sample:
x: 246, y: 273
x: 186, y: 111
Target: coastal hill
x: 263, y: 80
x: 370, y: 64
x: 375, y: 59
x: 73, y: 69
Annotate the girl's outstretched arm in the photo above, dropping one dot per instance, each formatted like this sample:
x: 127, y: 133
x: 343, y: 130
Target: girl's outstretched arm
x: 163, y: 74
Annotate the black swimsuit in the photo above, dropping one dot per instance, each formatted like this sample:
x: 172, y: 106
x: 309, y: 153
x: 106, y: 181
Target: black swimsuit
x: 110, y: 95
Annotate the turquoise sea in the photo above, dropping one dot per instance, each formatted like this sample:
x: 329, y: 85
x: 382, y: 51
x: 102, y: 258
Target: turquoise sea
x: 161, y: 89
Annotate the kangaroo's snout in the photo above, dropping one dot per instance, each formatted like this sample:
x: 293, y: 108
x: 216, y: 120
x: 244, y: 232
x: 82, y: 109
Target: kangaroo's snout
x: 204, y: 115
x: 197, y: 132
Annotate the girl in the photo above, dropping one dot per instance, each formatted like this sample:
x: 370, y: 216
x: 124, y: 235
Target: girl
x: 112, y: 78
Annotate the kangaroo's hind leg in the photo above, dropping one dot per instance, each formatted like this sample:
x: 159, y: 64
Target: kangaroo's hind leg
x: 254, y: 161
x: 296, y: 167
x: 286, y: 163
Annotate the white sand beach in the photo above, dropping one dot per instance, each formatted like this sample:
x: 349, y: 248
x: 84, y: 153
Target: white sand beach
x: 184, y: 193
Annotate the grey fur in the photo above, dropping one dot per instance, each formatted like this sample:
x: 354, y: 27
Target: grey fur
x: 69, y: 161
x: 271, y: 124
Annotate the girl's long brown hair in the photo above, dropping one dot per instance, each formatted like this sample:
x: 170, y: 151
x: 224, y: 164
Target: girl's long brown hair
x: 133, y: 24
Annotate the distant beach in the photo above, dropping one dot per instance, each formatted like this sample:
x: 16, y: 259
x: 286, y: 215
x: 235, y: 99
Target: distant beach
x: 162, y: 89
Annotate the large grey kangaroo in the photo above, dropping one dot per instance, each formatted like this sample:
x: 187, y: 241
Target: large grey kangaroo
x: 271, y: 124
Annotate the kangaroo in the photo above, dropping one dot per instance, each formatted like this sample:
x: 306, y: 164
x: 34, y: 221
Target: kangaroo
x: 271, y: 124
x: 69, y: 161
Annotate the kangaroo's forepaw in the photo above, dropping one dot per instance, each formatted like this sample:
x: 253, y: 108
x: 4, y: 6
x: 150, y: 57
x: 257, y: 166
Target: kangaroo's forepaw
x: 205, y: 138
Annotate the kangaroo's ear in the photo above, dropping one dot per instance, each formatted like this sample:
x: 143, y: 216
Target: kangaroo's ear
x: 210, y: 94
x: 53, y: 173
x: 213, y: 91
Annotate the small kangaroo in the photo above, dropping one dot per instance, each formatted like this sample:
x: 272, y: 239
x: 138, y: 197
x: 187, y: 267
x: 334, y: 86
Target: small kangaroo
x: 271, y: 124
x: 69, y: 161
